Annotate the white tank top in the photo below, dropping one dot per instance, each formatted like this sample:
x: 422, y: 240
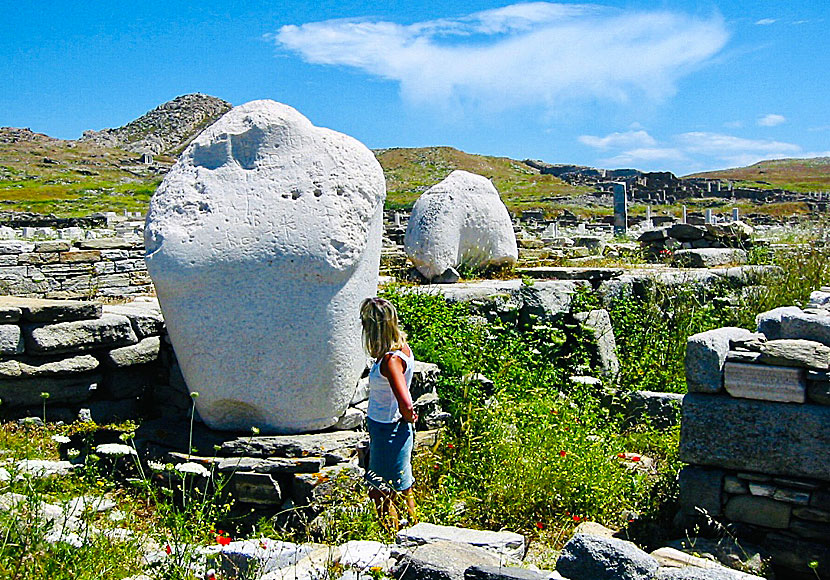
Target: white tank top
x: 383, y: 406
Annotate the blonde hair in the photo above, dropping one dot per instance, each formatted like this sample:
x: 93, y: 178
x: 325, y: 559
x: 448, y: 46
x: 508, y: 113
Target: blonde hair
x: 380, y: 327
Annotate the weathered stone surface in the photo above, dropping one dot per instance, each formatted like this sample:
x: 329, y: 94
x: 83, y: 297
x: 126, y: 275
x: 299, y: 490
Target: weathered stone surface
x: 660, y: 410
x: 653, y: 235
x: 270, y: 465
x: 685, y: 232
x: 11, y: 341
x: 700, y: 489
x: 765, y: 382
x: 79, y: 335
x: 797, y: 554
x: 760, y: 511
x: 145, y: 317
x: 815, y: 325
x: 334, y: 446
x: 818, y: 391
x: 9, y: 313
x: 33, y: 367
x: 709, y: 257
x: 508, y: 573
x: 39, y: 310
x: 80, y: 256
x: 734, y: 485
x: 107, y: 244
x: 351, y: 419
x: 812, y: 514
x: 672, y: 558
x: 26, y: 392
x: 594, y: 558
x: 695, y: 573
x: 792, y: 496
x: 361, y: 392
x: 795, y: 352
x: 599, y: 322
x: 773, y: 438
x: 256, y: 488
x: 292, y: 215
x: 460, y: 221
x: 52, y: 246
x: 441, y: 560
x: 705, y: 356
x: 143, y: 352
x: 261, y: 556
x: 769, y: 323
x: 15, y: 247
x: 502, y: 544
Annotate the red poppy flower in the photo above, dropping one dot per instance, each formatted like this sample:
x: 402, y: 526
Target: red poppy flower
x: 540, y: 525
x: 563, y: 453
x: 635, y: 458
x: 168, y: 549
x: 621, y: 455
x: 223, y: 540
x: 576, y: 518
x: 450, y: 446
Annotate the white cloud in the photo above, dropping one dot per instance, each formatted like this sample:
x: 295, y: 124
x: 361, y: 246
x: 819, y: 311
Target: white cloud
x: 619, y: 140
x: 717, y: 144
x: 766, y: 21
x: 526, y: 53
x: 771, y: 120
x: 644, y: 155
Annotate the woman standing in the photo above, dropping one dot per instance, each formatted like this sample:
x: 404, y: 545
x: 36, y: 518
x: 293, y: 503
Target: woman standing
x: 391, y: 415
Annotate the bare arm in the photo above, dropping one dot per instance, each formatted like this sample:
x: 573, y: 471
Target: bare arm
x: 393, y: 368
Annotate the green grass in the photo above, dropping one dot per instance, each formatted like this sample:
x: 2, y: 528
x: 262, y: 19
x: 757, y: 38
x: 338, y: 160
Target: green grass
x: 802, y: 175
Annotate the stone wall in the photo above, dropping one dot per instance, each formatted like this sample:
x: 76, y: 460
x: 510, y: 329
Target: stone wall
x: 756, y: 433
x: 73, y: 269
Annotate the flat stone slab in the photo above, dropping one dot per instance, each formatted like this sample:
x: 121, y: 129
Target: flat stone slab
x: 334, y: 446
x: 108, y: 244
x: 32, y: 367
x: 756, y: 436
x: 270, y: 465
x: 569, y: 273
x: 709, y: 257
x: 765, y: 382
x: 508, y: 573
x: 795, y: 352
x: 110, y: 330
x: 795, y: 323
x: 26, y: 392
x: 145, y: 317
x: 11, y: 341
x: 504, y: 544
x: 143, y: 352
x: 759, y: 511
x: 595, y: 558
x: 441, y: 560
x: 40, y: 310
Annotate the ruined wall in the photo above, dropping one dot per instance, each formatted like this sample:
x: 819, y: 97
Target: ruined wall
x: 73, y: 269
x: 756, y: 433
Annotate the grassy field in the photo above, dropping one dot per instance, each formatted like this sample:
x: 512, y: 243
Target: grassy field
x: 793, y: 174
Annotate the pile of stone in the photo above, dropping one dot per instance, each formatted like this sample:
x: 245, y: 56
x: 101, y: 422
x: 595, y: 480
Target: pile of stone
x: 755, y: 432
x: 73, y: 269
x: 105, y: 362
x: 698, y: 246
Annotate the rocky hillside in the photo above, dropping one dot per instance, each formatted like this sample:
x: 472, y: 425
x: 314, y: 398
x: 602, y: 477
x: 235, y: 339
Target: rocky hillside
x: 411, y: 171
x: 167, y: 129
x: 792, y: 174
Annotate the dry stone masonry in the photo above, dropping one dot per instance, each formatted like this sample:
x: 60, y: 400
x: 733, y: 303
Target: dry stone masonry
x: 460, y: 221
x: 756, y: 432
x: 262, y: 241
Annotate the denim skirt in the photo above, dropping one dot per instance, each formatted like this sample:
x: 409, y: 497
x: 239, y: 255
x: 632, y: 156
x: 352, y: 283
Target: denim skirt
x: 390, y: 453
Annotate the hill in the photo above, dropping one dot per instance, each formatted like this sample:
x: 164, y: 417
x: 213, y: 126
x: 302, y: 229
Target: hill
x: 411, y: 171
x: 42, y: 174
x: 167, y: 129
x: 801, y: 175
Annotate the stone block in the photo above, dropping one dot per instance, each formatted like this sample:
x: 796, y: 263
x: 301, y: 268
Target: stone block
x: 708, y: 257
x: 36, y: 258
x: 270, y: 465
x: 700, y: 489
x: 734, y: 486
x: 692, y: 572
x: 441, y: 560
x: 759, y: 511
x: 111, y: 330
x: 806, y: 325
x: 772, y: 438
x: 795, y: 353
x: 130, y: 265
x: 685, y: 232
x: 599, y: 323
x: 15, y: 247
x: 9, y: 313
x: 26, y: 392
x: 762, y: 489
x: 130, y: 382
x: 52, y: 246
x: 812, y: 514
x: 507, y: 573
x: 765, y: 382
x: 143, y: 352
x: 796, y: 554
x: 334, y: 446
x: 502, y: 544
x: 256, y: 488
x: 660, y: 410
x: 36, y: 367
x: 361, y: 393
x: 39, y: 310
x: 81, y: 256
x: 11, y: 340
x: 351, y: 419
x: 769, y: 323
x: 705, y: 356
x: 594, y: 558
x: 792, y: 496
x: 107, y: 244
x: 810, y: 530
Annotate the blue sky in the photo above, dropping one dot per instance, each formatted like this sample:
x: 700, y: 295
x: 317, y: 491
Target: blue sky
x: 679, y: 86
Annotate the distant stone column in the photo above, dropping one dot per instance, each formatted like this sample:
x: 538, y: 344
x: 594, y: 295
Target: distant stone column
x: 620, y: 209
x: 648, y: 215
x: 736, y: 215
x: 708, y: 216
x: 683, y: 215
